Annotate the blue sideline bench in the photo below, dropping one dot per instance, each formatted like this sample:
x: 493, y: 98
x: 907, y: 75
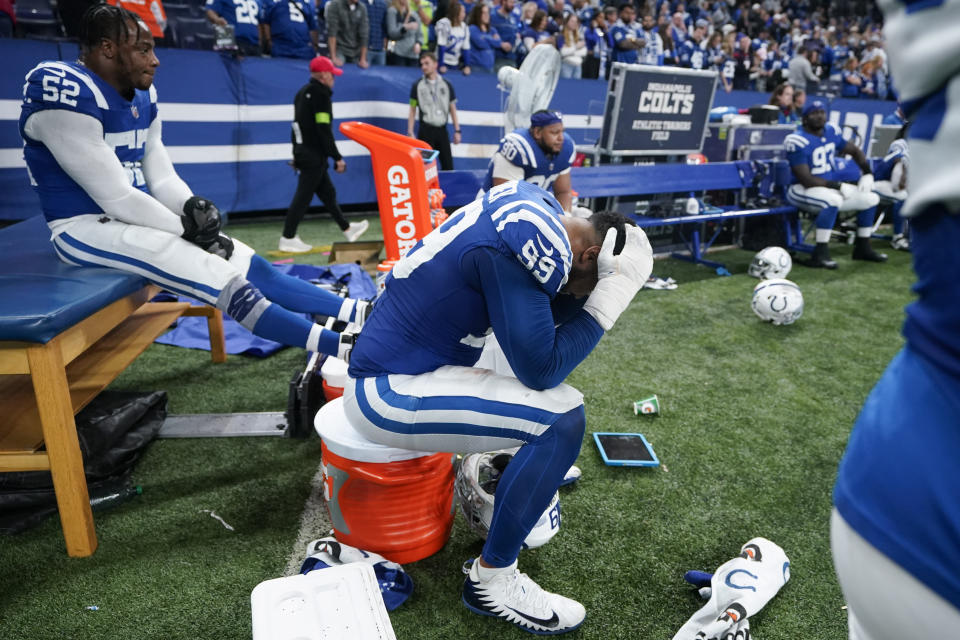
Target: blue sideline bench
x: 623, y: 180
x: 65, y: 333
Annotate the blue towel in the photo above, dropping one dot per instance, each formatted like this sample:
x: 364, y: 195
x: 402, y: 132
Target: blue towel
x: 191, y: 332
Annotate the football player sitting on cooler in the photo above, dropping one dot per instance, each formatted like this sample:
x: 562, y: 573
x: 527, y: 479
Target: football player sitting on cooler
x: 541, y: 155
x: 817, y: 187
x: 891, y: 184
x: 548, y: 286
x: 111, y: 196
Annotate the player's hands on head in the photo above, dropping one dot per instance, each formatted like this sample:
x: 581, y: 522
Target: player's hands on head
x: 201, y: 221
x: 619, y: 276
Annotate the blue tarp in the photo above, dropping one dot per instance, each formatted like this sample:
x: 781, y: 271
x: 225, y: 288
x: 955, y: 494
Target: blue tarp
x: 191, y: 332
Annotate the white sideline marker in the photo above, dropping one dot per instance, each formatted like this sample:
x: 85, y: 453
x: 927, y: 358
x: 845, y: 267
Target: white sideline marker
x: 314, y: 523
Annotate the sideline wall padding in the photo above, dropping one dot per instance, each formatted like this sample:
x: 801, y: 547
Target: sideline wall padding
x: 226, y: 122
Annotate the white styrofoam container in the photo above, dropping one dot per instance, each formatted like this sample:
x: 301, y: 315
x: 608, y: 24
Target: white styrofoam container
x: 338, y: 603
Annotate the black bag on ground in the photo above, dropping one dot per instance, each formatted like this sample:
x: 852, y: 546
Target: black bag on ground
x: 760, y: 232
x: 114, y: 431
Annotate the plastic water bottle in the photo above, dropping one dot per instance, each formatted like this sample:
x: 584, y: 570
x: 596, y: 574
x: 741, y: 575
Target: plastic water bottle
x: 115, y: 498
x: 693, y: 205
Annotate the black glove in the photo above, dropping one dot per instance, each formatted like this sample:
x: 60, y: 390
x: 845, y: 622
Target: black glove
x: 201, y: 221
x: 222, y: 246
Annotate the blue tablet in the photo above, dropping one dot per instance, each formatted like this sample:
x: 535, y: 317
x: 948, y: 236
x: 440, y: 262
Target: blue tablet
x: 626, y: 449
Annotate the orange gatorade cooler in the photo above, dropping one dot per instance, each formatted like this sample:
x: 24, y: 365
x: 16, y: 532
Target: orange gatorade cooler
x: 383, y: 269
x: 334, y: 376
x: 394, y: 502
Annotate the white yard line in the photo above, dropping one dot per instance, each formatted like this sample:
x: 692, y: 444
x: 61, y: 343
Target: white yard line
x: 314, y: 523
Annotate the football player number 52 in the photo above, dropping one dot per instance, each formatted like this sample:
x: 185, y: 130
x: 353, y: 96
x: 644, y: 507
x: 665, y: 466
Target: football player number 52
x: 60, y: 89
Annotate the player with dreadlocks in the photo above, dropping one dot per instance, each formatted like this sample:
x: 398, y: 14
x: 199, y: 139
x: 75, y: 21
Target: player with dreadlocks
x: 111, y: 196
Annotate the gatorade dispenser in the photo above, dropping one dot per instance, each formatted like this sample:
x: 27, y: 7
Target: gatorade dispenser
x: 408, y: 187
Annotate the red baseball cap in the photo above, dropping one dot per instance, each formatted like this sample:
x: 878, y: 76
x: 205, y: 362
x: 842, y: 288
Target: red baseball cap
x: 323, y: 63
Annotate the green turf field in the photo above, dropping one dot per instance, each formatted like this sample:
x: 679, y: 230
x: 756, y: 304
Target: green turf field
x: 754, y: 421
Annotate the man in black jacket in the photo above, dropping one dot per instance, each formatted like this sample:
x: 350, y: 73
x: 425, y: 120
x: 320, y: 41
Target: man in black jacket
x: 313, y: 144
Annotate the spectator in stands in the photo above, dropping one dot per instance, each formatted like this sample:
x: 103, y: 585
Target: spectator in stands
x: 800, y: 71
x: 8, y: 19
x: 669, y: 48
x: 526, y: 12
x: 773, y: 65
x: 799, y: 101
x: 424, y: 9
x: 289, y: 28
x: 678, y: 28
x: 715, y: 54
x: 652, y: 52
x: 597, y: 40
x: 537, y: 34
x: 506, y: 20
x: 743, y: 68
x: 313, y: 147
x: 377, y: 38
x: 782, y: 99
x: 870, y: 75
x: 573, y: 47
x: 243, y: 17
x: 348, y: 32
x: 434, y: 99
x: 691, y: 53
x: 850, y: 78
x: 484, y: 41
x: 818, y: 188
x: 625, y: 36
x: 403, y: 30
x: 541, y: 155
x: 453, y: 38
x: 124, y: 207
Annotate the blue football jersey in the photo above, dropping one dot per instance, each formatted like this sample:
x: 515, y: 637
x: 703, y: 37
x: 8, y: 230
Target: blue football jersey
x: 291, y: 22
x: 244, y: 15
x: 539, y: 168
x: 817, y: 152
x: 691, y: 55
x: 70, y: 86
x: 429, y: 314
x: 898, y: 151
x: 618, y: 32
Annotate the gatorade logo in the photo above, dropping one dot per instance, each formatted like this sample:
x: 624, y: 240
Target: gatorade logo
x: 406, y: 230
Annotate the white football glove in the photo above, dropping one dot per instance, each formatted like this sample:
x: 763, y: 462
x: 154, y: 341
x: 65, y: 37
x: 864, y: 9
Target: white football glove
x: 620, y: 277
x: 865, y: 184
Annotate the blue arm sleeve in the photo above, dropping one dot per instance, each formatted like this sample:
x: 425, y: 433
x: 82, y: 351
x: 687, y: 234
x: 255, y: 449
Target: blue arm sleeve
x: 521, y: 315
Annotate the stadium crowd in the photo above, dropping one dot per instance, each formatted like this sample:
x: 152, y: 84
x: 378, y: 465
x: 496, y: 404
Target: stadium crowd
x: 829, y: 47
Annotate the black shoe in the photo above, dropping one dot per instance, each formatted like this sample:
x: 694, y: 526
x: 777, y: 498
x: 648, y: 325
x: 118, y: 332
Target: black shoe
x: 820, y: 259
x: 863, y: 251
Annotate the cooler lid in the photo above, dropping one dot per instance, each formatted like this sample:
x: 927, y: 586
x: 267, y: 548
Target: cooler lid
x: 342, y: 439
x: 334, y: 372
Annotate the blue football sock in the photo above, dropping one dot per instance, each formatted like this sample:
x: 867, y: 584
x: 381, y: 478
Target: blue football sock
x: 826, y: 218
x: 286, y: 327
x: 867, y: 217
x: 291, y: 292
x: 528, y: 484
x: 897, y: 218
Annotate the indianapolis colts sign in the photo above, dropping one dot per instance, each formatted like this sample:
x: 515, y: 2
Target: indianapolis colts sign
x: 656, y: 110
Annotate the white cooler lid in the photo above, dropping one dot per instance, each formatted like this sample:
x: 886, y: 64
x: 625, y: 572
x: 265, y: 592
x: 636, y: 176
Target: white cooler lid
x: 334, y: 372
x: 342, y: 439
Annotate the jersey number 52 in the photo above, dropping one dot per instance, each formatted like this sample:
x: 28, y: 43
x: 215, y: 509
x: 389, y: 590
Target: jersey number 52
x: 58, y: 88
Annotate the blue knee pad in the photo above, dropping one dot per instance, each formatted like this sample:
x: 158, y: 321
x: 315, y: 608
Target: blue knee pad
x: 528, y: 484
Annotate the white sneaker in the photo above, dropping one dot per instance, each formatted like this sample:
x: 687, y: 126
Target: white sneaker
x: 514, y: 597
x: 900, y: 242
x: 293, y: 245
x: 355, y: 230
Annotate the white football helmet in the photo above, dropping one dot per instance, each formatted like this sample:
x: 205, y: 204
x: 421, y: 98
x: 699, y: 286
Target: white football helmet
x: 778, y: 301
x: 772, y: 262
x: 475, y: 487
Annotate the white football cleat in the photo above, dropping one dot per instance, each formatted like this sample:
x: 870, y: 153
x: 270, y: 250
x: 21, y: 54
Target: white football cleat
x: 514, y: 597
x: 355, y: 230
x: 293, y: 245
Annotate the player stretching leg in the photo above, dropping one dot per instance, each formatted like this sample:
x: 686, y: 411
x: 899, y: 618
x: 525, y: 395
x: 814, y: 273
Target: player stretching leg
x: 111, y: 196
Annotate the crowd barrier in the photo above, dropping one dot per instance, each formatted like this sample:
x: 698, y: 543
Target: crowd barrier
x: 226, y: 121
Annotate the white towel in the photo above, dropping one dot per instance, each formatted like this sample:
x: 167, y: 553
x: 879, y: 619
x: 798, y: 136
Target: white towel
x: 738, y: 589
